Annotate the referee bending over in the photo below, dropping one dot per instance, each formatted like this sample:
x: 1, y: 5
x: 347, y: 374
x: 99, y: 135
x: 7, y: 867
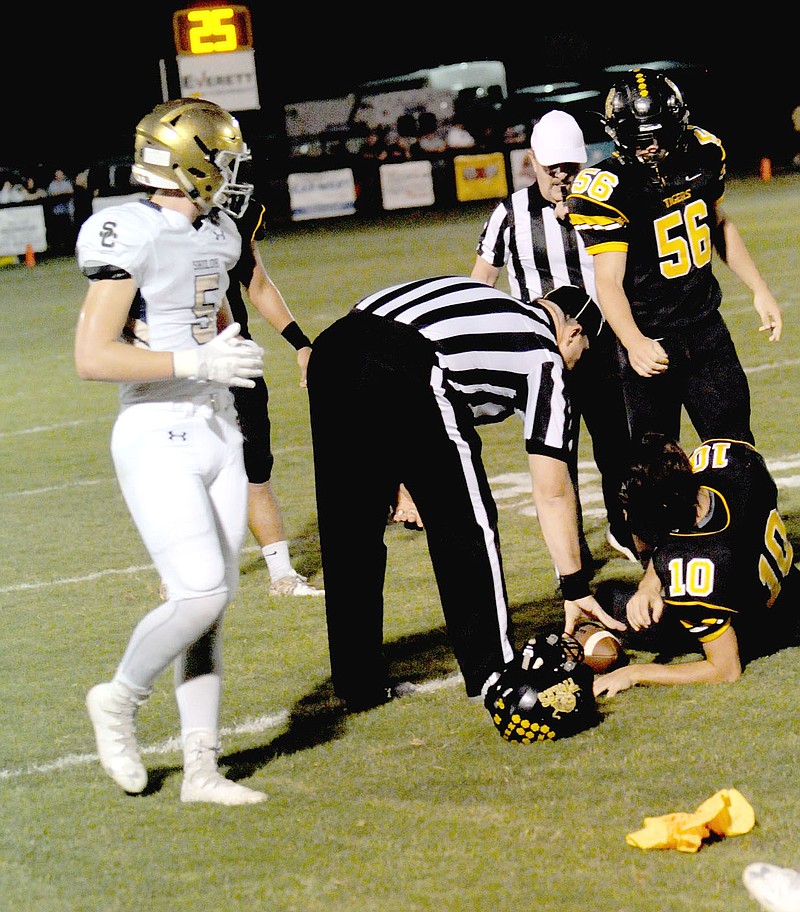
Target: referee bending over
x: 438, y: 356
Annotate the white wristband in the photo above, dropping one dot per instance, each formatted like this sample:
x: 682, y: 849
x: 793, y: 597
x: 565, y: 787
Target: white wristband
x: 186, y: 363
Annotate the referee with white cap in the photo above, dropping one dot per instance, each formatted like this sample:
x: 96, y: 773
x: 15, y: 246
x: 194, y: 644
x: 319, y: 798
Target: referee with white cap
x: 529, y: 232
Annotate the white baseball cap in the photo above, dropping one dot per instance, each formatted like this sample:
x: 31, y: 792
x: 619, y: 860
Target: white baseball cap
x: 557, y: 138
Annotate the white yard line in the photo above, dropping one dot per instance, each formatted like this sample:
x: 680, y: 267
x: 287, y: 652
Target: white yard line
x: 256, y: 726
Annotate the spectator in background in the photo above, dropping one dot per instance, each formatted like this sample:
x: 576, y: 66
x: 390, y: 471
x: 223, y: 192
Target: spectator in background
x: 82, y: 198
x: 400, y: 149
x: 485, y: 133
x: 61, y: 223
x: 459, y: 137
x: 514, y: 135
x: 11, y: 191
x: 31, y: 190
x: 372, y: 155
x: 374, y: 147
x: 407, y: 140
x: 431, y: 141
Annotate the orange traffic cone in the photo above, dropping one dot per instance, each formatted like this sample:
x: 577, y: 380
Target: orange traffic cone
x: 766, y: 169
x: 30, y: 256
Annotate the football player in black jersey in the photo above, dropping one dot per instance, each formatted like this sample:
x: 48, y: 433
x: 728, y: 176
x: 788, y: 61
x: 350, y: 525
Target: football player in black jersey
x: 721, y: 573
x: 650, y: 215
x: 265, y: 518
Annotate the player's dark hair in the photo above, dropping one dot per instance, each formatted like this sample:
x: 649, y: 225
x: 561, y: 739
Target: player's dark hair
x: 660, y: 494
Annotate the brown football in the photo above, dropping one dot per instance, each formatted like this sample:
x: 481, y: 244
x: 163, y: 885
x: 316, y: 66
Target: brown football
x: 602, y: 651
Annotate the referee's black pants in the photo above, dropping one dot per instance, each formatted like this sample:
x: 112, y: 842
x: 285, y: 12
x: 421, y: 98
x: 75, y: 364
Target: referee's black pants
x: 380, y: 415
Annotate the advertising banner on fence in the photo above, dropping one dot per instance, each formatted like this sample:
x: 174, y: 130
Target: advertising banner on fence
x: 407, y: 184
x: 480, y: 176
x: 20, y: 226
x: 322, y: 194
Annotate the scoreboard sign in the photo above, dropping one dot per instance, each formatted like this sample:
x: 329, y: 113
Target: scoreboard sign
x: 212, y: 30
x: 216, y: 59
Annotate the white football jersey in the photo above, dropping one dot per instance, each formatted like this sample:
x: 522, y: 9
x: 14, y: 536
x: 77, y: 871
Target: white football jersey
x: 181, y: 270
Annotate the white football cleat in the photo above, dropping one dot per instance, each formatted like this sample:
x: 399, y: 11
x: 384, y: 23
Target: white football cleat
x: 202, y: 781
x: 294, y: 584
x: 774, y: 889
x: 112, y: 709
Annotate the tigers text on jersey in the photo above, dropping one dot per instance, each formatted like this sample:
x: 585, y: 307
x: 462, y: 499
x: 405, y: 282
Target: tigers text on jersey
x: 540, y: 251
x: 497, y: 354
x: 181, y: 271
x: 664, y: 221
x: 729, y: 570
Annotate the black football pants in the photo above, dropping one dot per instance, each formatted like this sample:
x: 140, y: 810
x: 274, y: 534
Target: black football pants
x: 704, y: 376
x: 380, y: 415
x: 596, y: 393
x: 252, y: 408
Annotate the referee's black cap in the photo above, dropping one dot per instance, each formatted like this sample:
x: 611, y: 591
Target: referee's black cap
x: 576, y: 303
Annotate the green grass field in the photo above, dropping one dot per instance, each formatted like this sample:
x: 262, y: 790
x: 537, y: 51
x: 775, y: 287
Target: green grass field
x: 417, y: 806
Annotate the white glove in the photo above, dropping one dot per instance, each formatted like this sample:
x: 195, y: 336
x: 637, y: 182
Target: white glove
x: 225, y: 359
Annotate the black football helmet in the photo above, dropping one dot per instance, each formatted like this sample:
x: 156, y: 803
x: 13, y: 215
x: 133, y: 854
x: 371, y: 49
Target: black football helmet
x: 544, y: 693
x: 641, y: 108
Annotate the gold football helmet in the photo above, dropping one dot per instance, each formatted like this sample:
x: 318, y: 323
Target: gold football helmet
x: 193, y: 145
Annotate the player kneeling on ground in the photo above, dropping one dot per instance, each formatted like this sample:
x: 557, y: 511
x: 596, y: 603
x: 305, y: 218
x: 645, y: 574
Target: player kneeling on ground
x: 721, y: 577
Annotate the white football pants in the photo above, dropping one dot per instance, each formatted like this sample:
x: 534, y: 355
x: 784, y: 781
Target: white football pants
x: 181, y: 471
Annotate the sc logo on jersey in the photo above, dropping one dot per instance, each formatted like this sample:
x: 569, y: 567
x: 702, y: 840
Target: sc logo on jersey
x: 108, y: 234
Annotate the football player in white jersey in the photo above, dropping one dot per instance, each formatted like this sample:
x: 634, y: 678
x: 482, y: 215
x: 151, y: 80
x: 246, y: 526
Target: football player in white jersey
x: 155, y: 320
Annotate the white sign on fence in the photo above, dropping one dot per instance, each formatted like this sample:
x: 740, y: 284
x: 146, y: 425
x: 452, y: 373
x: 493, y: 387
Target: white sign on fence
x: 322, y: 194
x: 20, y: 226
x: 407, y: 184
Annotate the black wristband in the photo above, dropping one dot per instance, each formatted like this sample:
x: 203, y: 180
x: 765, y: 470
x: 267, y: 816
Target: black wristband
x: 295, y: 336
x: 575, y: 586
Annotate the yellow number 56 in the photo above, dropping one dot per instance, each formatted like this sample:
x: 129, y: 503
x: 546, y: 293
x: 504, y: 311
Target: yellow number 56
x: 677, y: 253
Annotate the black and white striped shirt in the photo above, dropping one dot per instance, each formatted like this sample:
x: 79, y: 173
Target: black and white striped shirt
x: 541, y: 252
x: 500, y: 356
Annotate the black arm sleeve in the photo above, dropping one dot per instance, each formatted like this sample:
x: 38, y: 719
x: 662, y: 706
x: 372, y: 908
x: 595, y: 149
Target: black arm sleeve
x: 105, y: 271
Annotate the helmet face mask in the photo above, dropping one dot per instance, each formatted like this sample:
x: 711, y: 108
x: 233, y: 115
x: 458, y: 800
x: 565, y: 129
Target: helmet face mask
x: 544, y: 693
x: 646, y: 116
x: 197, y: 147
x: 234, y: 194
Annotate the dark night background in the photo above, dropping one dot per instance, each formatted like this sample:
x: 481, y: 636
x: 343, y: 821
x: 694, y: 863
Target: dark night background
x: 78, y: 84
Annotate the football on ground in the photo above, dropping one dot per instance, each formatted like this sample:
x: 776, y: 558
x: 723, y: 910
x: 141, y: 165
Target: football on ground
x: 602, y: 650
